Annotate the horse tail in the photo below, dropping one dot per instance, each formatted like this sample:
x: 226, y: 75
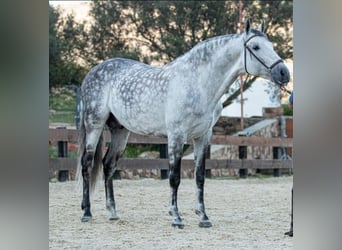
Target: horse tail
x: 97, y: 163
x: 81, y: 150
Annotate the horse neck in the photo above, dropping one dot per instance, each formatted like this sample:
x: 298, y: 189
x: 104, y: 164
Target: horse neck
x: 221, y: 64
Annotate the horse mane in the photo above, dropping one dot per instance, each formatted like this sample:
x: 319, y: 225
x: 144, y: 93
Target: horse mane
x: 202, y: 52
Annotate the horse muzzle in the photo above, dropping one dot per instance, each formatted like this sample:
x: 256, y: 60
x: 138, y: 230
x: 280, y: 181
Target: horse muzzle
x: 280, y: 74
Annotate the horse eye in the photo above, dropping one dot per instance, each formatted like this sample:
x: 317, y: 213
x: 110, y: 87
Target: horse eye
x: 256, y: 47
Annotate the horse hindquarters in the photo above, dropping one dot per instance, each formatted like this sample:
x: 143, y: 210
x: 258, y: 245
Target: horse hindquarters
x: 93, y: 119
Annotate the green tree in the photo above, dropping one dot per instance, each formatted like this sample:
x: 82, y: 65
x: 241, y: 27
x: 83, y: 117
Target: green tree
x: 160, y: 31
x: 106, y: 36
x: 64, y: 46
x: 171, y: 28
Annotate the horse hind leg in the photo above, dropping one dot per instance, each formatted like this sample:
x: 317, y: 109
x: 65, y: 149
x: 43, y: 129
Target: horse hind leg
x: 119, y: 136
x: 89, y: 167
x: 86, y: 162
x: 92, y: 124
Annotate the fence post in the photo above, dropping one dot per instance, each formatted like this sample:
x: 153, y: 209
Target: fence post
x: 276, y: 154
x: 243, y: 172
x: 163, y: 154
x: 62, y: 151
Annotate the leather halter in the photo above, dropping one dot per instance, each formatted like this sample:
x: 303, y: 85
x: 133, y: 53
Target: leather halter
x: 256, y: 57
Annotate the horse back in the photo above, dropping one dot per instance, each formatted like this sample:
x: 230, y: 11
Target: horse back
x: 132, y: 91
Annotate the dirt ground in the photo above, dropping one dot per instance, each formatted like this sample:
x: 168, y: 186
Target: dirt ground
x: 246, y: 214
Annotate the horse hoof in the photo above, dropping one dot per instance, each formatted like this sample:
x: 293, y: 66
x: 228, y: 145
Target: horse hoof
x: 86, y: 218
x: 178, y: 222
x: 114, y: 217
x: 180, y: 226
x: 205, y: 224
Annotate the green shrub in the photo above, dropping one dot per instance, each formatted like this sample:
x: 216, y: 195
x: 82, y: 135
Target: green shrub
x: 287, y: 110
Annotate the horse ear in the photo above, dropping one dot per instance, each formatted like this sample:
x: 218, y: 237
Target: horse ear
x: 262, y: 26
x: 247, y: 25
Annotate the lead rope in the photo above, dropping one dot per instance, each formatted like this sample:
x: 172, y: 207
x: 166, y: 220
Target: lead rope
x: 283, y: 88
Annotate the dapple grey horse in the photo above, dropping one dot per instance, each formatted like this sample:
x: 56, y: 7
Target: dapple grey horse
x: 180, y: 101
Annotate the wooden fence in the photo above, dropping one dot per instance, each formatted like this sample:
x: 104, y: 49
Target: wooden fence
x: 64, y: 168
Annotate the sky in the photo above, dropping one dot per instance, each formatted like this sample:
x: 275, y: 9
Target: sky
x: 66, y: 2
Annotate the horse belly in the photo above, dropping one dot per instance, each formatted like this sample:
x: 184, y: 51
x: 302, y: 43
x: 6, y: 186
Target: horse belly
x: 146, y: 125
x: 140, y: 119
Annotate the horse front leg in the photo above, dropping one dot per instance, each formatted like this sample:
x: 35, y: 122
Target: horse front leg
x: 175, y: 155
x: 200, y: 150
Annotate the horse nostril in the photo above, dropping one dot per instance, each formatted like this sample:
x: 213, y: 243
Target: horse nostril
x: 284, y: 73
x: 281, y: 74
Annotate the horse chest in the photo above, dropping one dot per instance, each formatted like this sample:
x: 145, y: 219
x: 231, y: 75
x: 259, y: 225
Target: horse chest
x: 197, y: 125
x: 188, y: 110
x: 192, y: 122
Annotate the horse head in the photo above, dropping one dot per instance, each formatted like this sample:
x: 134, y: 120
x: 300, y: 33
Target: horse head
x: 260, y: 59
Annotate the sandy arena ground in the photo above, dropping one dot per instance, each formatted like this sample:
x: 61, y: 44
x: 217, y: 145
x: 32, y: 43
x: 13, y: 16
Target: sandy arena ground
x: 246, y: 214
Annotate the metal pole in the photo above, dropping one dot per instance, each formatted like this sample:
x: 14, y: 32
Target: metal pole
x: 241, y: 79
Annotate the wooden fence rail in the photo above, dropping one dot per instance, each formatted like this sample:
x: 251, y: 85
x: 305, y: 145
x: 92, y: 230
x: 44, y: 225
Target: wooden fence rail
x: 66, y: 166
x: 71, y: 135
